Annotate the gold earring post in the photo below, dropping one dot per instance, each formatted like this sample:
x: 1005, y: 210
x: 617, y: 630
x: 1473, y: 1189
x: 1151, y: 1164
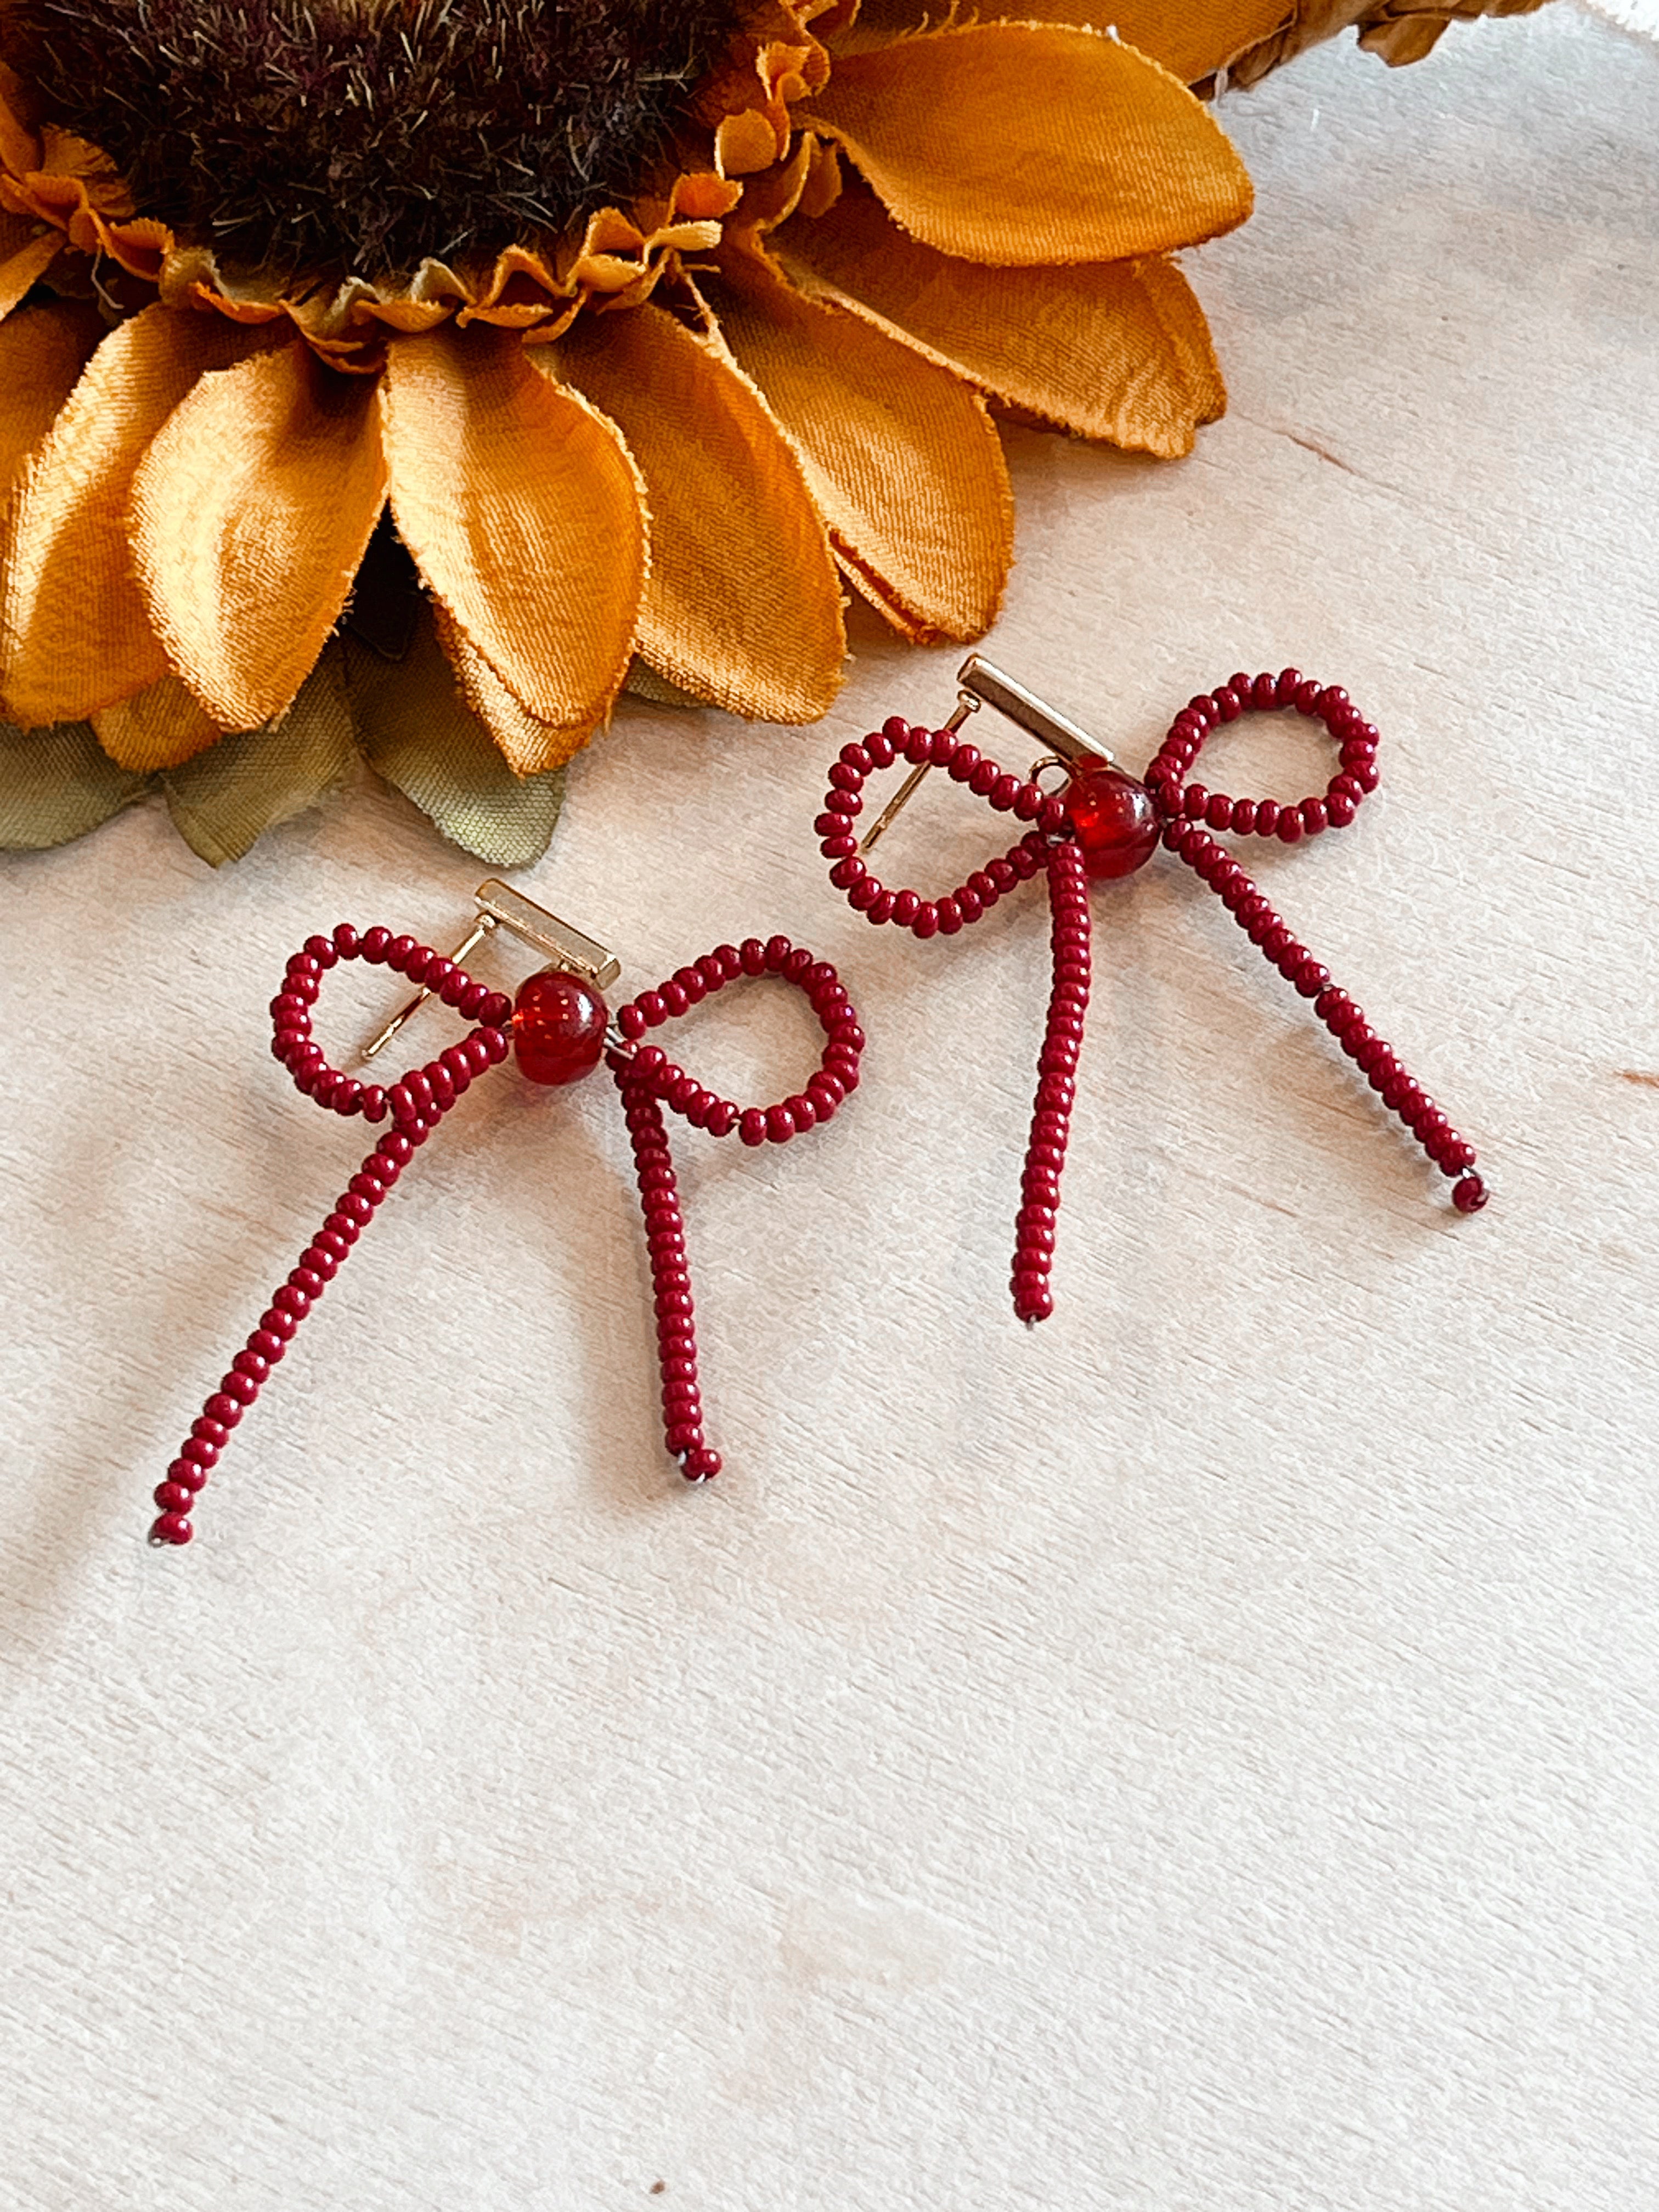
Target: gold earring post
x: 485, y: 926
x: 500, y: 907
x: 983, y: 684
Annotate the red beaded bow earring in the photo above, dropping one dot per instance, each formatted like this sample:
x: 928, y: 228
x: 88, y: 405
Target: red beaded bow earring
x: 559, y: 1028
x: 1103, y: 823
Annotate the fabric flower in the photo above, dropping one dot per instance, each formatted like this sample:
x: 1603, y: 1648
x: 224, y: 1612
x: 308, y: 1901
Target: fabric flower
x: 614, y: 337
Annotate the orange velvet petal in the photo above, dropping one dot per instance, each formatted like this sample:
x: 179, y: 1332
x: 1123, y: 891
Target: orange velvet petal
x: 24, y: 266
x: 158, y: 728
x: 250, y: 514
x: 74, y: 632
x: 1117, y: 350
x: 528, y: 747
x: 742, y: 605
x: 20, y: 150
x: 1188, y: 332
x: 524, y: 513
x: 900, y: 454
x: 42, y: 353
x: 1025, y: 145
x: 1191, y: 40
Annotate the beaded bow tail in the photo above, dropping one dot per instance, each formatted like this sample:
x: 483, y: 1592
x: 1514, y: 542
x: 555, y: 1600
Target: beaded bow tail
x: 1103, y: 823
x: 559, y: 1029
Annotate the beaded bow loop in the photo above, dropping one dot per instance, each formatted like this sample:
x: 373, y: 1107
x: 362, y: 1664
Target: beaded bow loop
x: 558, y: 1029
x: 1101, y: 825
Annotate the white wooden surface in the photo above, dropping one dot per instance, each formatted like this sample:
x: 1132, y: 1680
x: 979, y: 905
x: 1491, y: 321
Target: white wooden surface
x: 1198, y: 1755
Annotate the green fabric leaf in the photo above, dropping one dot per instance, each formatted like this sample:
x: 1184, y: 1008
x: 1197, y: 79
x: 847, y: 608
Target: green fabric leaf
x: 419, y: 734
x: 227, y: 798
x: 643, y: 681
x: 57, y: 784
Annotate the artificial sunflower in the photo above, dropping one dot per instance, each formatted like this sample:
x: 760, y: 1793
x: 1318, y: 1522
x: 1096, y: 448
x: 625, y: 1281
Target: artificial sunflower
x: 581, y: 337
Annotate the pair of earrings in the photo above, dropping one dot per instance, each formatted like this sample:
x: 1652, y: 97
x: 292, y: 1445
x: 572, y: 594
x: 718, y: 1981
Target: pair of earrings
x: 1099, y: 823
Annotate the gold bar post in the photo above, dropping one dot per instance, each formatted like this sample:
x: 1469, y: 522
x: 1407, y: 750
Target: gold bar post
x: 500, y: 907
x: 984, y: 685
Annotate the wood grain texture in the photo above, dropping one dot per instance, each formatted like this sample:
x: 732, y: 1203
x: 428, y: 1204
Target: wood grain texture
x: 1201, y: 1753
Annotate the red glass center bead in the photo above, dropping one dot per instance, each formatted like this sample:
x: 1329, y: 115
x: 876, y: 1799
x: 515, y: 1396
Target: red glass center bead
x: 1113, y: 819
x: 559, y: 1023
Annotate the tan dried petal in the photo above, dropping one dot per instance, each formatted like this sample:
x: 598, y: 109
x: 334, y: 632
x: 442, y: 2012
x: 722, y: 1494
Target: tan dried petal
x: 1400, y: 31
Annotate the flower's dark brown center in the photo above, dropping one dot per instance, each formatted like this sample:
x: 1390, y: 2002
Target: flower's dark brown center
x: 367, y: 134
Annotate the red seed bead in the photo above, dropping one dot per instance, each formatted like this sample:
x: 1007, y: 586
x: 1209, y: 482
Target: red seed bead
x: 172, y: 1529
x: 178, y: 1498
x: 1314, y: 816
x: 751, y: 1126
x: 226, y: 1411
x: 187, y: 1475
x: 559, y: 1023
x: 1470, y: 1194
x: 1289, y: 827
x: 210, y: 1431
x: 199, y: 1451
x: 779, y: 1125
x: 372, y: 945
